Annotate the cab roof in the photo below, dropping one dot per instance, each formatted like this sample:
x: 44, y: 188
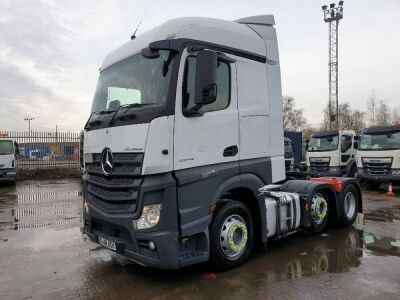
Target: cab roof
x: 241, y: 34
x: 381, y: 129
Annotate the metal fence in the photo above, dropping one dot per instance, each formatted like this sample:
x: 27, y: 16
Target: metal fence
x: 44, y: 150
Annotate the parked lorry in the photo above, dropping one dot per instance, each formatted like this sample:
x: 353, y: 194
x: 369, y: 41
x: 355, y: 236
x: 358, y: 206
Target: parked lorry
x: 184, y: 142
x: 378, y: 159
x: 332, y: 153
x: 8, y: 152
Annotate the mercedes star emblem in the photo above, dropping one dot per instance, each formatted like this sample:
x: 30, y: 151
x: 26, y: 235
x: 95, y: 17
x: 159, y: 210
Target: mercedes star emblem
x: 107, y: 162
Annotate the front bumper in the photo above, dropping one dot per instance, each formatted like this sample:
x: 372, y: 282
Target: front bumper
x: 378, y: 178
x: 134, y: 244
x: 8, y: 175
x: 330, y: 173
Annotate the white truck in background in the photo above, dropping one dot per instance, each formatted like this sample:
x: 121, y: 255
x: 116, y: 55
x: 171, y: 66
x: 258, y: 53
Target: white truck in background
x: 8, y: 152
x: 378, y: 158
x: 332, y: 153
x: 184, y: 142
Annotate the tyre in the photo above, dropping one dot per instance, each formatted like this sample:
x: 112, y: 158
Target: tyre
x: 350, y: 206
x: 231, y: 238
x: 353, y: 172
x: 319, y: 212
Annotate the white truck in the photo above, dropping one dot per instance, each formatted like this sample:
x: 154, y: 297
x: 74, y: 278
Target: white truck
x: 332, y: 153
x: 8, y: 152
x: 378, y: 159
x: 184, y: 141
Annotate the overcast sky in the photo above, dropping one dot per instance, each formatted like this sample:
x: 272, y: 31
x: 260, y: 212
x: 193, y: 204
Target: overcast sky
x: 50, y: 51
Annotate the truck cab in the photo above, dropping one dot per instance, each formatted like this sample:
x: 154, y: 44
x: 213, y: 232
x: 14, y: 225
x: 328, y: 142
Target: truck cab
x: 378, y: 158
x: 8, y: 153
x: 332, y: 153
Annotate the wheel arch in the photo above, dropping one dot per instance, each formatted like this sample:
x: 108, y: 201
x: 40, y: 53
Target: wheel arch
x: 244, y: 188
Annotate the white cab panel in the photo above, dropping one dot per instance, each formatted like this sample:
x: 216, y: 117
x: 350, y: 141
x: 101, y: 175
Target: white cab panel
x: 130, y: 138
x: 160, y: 138
x: 254, y: 139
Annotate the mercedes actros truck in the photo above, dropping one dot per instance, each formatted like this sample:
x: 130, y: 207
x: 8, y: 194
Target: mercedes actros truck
x: 184, y: 143
x: 378, y: 158
x: 8, y: 152
x: 332, y: 153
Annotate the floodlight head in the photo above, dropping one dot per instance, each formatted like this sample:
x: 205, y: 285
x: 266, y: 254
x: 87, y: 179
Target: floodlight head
x: 332, y: 5
x: 324, y: 7
x: 341, y: 3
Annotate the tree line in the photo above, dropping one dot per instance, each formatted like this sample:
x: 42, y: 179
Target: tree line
x: 377, y: 113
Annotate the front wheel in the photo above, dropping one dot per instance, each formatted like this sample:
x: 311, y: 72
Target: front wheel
x: 231, y: 235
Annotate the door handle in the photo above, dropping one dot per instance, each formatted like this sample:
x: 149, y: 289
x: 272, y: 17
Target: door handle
x: 231, y: 151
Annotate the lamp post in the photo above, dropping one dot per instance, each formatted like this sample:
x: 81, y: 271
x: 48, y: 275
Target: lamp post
x: 29, y: 124
x: 332, y: 15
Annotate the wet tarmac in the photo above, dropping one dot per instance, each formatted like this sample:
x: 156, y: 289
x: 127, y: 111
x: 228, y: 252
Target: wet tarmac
x: 43, y: 255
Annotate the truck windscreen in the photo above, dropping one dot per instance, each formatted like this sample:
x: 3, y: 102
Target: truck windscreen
x: 326, y: 143
x: 6, y: 148
x: 381, y: 141
x: 288, y: 150
x: 135, y: 80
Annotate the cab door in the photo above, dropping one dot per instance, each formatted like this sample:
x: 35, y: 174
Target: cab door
x: 212, y: 138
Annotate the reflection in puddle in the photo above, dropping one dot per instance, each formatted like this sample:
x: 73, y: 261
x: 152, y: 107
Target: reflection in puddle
x: 380, y: 245
x: 41, y: 206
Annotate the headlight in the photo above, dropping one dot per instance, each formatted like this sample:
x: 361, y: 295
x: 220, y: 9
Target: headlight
x: 396, y: 172
x: 149, y: 218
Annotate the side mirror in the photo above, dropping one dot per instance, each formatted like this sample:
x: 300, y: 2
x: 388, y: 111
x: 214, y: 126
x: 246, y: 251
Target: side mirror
x: 355, y: 145
x: 206, y: 77
x: 346, y: 145
x: 16, y: 147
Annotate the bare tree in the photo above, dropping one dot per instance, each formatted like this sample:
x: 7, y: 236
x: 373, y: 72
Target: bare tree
x: 293, y: 119
x: 348, y: 118
x: 382, y: 114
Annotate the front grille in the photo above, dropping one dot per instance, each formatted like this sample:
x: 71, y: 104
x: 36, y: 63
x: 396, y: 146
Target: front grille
x: 376, y: 167
x: 119, y: 191
x: 319, y: 167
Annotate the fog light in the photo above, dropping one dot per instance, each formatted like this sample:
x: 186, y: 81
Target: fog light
x: 11, y: 173
x: 152, y: 245
x: 396, y: 172
x: 149, y: 218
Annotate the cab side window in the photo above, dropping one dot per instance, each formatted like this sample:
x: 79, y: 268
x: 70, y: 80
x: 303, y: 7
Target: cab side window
x: 223, y: 86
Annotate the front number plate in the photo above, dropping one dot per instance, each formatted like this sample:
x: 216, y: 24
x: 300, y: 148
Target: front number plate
x: 106, y: 243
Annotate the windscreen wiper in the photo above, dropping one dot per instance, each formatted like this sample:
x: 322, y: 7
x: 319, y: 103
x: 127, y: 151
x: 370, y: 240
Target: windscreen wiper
x: 97, y: 122
x: 127, y: 107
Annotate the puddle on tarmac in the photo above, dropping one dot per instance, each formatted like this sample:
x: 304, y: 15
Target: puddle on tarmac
x: 46, y: 217
x: 40, y: 205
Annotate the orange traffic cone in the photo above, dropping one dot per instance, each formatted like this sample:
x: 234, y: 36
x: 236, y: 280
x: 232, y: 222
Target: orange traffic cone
x: 390, y: 191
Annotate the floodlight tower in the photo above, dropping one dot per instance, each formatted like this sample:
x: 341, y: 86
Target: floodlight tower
x: 332, y: 15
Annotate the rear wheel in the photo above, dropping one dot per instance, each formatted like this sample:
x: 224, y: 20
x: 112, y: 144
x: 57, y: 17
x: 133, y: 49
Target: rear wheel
x: 231, y: 235
x: 319, y: 211
x: 350, y: 205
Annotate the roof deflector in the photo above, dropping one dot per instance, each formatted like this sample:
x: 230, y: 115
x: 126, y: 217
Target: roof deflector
x: 266, y: 20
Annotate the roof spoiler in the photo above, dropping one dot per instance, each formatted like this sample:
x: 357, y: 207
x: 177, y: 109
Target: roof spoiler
x: 266, y: 20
